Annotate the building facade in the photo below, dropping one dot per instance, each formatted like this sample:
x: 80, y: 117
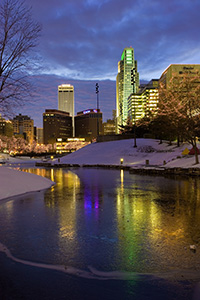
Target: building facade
x: 127, y: 82
x: 24, y: 126
x: 39, y: 135
x: 56, y: 124
x: 88, y: 124
x: 145, y: 102
x: 179, y: 70
x: 66, y: 100
x: 109, y: 127
x: 6, y: 127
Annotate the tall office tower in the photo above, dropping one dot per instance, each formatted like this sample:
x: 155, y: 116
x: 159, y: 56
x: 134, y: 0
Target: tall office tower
x: 127, y: 82
x: 66, y: 100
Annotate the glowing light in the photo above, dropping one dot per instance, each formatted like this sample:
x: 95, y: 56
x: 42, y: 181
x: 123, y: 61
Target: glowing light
x: 89, y: 110
x: 122, y: 176
x: 52, y: 175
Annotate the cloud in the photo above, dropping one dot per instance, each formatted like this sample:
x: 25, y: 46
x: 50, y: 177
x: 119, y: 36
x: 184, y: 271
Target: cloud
x: 85, y: 39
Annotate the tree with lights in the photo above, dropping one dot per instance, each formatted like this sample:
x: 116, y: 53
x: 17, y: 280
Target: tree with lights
x: 179, y: 104
x: 18, y: 37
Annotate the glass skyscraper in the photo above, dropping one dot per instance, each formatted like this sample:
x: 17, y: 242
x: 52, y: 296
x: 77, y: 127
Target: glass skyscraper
x: 127, y: 82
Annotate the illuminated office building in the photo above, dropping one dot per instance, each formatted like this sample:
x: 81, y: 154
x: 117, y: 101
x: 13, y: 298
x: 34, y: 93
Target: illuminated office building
x: 127, y: 82
x: 66, y: 100
x: 144, y: 102
x: 109, y: 127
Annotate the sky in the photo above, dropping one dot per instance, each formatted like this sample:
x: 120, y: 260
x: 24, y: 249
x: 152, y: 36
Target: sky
x: 82, y: 41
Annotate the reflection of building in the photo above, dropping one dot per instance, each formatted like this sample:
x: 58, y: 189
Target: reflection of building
x: 143, y: 102
x: 6, y: 127
x: 127, y: 67
x: 23, y: 125
x: 66, y: 99
x: 56, y: 124
x: 87, y: 123
x: 179, y: 70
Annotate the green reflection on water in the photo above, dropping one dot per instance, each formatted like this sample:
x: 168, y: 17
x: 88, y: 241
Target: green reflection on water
x: 157, y: 227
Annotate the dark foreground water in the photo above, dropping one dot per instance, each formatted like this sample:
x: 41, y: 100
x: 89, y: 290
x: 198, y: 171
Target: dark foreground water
x: 102, y: 234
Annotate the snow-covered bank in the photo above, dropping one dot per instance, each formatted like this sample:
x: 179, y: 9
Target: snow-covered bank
x: 9, y: 160
x: 110, y: 153
x: 13, y: 182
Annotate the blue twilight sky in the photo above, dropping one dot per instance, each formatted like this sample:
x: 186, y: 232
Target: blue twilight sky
x: 82, y: 42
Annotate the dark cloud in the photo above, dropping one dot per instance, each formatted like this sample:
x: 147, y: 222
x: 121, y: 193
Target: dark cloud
x: 84, y: 39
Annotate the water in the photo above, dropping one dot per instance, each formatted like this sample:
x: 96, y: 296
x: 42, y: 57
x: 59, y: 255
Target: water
x: 124, y: 231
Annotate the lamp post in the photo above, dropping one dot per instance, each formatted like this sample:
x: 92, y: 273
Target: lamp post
x: 97, y: 92
x: 133, y: 84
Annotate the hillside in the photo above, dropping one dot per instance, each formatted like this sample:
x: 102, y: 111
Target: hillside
x: 110, y: 153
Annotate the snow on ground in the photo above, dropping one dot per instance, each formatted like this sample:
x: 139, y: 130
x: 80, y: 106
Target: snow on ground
x: 6, y: 158
x: 110, y: 153
x: 14, y: 182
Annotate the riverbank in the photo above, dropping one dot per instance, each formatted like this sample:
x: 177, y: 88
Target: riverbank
x: 149, y: 157
x: 148, y: 154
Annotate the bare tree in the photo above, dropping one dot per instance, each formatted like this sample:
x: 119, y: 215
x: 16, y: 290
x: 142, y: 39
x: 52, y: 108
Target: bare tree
x: 18, y: 37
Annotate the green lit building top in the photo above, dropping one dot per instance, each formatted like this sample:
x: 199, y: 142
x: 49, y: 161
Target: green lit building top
x: 124, y: 86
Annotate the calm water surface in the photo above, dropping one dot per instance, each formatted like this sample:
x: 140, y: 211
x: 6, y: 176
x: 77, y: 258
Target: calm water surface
x: 107, y: 220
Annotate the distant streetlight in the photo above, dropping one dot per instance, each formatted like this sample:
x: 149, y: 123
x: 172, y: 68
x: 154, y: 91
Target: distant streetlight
x: 133, y: 84
x: 97, y: 92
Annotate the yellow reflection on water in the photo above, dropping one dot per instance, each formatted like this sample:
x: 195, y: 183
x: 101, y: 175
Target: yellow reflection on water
x: 52, y: 175
x: 122, y: 177
x: 164, y: 226
x: 63, y: 197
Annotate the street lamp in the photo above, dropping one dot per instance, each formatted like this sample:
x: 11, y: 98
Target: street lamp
x: 133, y: 84
x: 97, y: 92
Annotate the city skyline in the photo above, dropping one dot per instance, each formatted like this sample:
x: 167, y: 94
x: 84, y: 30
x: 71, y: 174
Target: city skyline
x: 82, y: 42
